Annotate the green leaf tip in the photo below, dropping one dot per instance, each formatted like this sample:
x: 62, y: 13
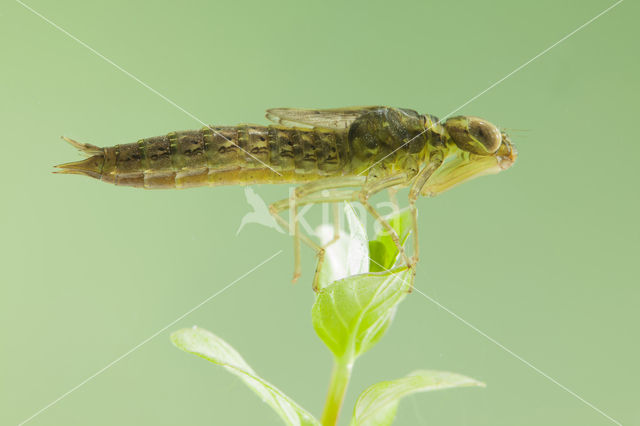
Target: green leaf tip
x: 378, y: 404
x: 352, y: 314
x: 207, y: 345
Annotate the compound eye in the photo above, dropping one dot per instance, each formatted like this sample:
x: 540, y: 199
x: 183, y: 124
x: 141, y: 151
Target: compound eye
x: 473, y: 134
x: 485, y: 133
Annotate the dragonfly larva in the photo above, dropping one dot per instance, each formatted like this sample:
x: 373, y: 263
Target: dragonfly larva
x: 367, y: 149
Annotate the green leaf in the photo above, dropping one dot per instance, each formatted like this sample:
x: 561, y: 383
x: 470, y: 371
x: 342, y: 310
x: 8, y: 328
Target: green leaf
x: 350, y: 315
x: 378, y: 404
x: 382, y: 251
x: 205, y: 344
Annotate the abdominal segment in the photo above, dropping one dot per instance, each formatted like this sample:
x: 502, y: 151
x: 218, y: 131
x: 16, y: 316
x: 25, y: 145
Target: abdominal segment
x: 217, y: 156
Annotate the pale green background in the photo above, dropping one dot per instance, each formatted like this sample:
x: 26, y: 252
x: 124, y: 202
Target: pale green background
x: 543, y: 258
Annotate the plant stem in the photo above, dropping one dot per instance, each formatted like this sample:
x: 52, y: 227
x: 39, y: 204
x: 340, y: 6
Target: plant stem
x: 340, y: 376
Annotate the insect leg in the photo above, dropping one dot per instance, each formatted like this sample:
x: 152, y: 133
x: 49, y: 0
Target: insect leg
x: 335, y: 207
x: 275, y: 210
x: 297, y: 268
x: 435, y: 161
x: 308, y: 189
x: 301, y: 196
x: 332, y: 195
x: 362, y: 195
x: 393, y: 198
x: 376, y: 186
x: 335, y: 213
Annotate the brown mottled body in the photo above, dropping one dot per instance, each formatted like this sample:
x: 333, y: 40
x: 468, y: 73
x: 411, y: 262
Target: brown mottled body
x: 238, y: 155
x: 367, y: 149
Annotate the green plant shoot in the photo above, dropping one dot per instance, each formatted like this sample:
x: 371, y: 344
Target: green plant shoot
x: 360, y: 288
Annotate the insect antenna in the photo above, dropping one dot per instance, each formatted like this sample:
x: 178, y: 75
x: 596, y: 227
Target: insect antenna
x: 511, y: 130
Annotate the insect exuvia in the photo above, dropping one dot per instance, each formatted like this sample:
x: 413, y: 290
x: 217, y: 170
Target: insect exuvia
x: 342, y: 154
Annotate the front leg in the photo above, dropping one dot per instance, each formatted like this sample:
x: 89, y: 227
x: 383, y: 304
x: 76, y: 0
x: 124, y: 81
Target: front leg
x: 435, y: 161
x: 376, y: 186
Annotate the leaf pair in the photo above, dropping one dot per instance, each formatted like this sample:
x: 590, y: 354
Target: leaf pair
x: 350, y: 315
x: 377, y: 405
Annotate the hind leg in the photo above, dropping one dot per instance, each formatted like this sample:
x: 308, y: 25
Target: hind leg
x: 310, y: 193
x: 330, y: 196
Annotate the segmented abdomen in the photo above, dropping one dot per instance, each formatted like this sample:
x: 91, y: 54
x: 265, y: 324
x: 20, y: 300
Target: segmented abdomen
x: 222, y: 156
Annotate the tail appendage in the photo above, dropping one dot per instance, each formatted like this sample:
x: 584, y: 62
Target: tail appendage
x: 91, y: 166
